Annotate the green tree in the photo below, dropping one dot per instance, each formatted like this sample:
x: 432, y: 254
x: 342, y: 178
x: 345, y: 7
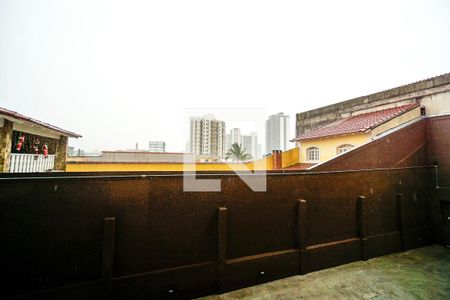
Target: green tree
x: 237, y: 153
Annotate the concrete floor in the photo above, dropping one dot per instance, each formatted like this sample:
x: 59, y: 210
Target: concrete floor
x: 422, y: 273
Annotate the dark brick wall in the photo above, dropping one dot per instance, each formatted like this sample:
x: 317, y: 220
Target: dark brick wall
x: 439, y: 150
x: 52, y: 229
x: 439, y: 147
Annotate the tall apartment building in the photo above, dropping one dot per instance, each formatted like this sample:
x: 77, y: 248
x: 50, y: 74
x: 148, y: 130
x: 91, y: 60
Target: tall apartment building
x: 156, y: 146
x: 249, y: 142
x: 234, y: 137
x: 277, y: 132
x: 207, y: 137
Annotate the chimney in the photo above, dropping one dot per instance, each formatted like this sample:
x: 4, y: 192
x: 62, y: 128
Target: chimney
x: 277, y: 159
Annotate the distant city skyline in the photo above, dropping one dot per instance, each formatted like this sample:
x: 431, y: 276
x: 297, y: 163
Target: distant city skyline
x: 74, y: 65
x: 249, y: 142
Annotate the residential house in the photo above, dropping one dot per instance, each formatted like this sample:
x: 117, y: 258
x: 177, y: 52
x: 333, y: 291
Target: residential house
x: 29, y: 145
x: 333, y: 139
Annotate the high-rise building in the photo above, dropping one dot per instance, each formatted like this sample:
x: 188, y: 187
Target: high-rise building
x: 248, y: 142
x: 207, y: 137
x: 258, y: 151
x: 156, y: 146
x: 277, y: 132
x: 234, y: 137
x: 227, y: 143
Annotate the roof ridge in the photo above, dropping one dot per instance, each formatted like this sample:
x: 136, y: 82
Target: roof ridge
x: 20, y: 116
x: 413, y: 104
x: 437, y: 80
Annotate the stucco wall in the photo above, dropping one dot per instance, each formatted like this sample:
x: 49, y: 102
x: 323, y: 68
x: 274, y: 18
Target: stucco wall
x: 137, y: 156
x: 261, y: 164
x: 32, y: 129
x: 436, y: 104
x: 328, y: 146
x: 290, y: 157
x: 401, y: 119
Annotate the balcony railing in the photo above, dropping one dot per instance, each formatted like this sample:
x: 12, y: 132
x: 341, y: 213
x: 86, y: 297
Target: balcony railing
x: 28, y: 163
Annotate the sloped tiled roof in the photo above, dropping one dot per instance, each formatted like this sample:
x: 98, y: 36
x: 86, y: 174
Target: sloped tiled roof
x: 358, y: 123
x: 16, y: 115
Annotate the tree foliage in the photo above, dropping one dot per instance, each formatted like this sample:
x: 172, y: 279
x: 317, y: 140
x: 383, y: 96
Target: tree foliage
x: 237, y: 153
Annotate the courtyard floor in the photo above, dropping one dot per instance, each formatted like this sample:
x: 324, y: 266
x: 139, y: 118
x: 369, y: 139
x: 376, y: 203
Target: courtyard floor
x: 422, y: 273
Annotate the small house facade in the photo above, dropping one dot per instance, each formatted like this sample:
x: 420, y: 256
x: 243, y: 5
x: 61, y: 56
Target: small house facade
x: 336, y: 138
x: 28, y: 145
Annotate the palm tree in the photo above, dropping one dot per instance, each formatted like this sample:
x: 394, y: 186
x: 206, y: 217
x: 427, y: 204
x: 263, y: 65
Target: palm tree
x: 237, y: 153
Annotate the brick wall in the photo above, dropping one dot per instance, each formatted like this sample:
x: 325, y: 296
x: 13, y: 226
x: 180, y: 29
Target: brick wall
x: 439, y: 148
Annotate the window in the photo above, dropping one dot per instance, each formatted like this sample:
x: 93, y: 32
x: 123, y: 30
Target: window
x: 312, y: 154
x: 422, y: 111
x: 344, y: 148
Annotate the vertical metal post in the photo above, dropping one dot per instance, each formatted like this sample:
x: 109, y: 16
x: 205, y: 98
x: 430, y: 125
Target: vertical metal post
x: 221, y: 248
x: 362, y: 225
x: 301, y: 233
x: 109, y: 228
x: 401, y: 224
x: 436, y: 175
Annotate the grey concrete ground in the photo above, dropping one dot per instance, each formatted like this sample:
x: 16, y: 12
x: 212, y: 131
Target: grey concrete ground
x: 417, y: 274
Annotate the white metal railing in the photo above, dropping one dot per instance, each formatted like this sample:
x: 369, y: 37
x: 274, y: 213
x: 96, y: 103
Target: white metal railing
x: 28, y: 163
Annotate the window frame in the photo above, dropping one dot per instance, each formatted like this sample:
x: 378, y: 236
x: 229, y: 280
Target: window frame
x: 313, y: 154
x: 342, y: 147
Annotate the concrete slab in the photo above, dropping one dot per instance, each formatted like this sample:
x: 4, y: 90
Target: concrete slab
x: 422, y: 273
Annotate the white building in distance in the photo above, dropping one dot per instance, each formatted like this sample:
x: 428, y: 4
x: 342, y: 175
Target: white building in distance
x: 156, y: 146
x: 277, y: 132
x: 234, y: 137
x: 248, y: 141
x: 207, y: 138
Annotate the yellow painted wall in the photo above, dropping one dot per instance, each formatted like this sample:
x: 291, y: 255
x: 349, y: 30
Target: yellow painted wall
x: 403, y: 118
x: 328, y: 146
x: 290, y: 157
x: 261, y: 164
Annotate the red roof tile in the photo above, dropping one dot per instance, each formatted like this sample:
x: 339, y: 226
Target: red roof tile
x: 16, y: 115
x: 358, y: 123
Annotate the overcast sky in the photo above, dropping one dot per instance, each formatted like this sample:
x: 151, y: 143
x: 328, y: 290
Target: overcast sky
x: 120, y: 72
